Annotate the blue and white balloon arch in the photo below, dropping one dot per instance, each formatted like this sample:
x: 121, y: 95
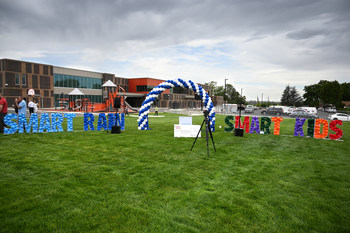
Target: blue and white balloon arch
x: 152, y: 95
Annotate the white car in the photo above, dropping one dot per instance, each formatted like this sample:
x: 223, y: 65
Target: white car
x: 331, y: 110
x: 249, y: 108
x: 339, y: 116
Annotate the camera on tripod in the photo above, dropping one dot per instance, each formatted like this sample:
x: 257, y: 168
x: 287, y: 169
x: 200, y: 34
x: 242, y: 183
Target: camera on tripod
x: 206, y: 121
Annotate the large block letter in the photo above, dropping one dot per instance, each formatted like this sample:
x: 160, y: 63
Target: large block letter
x: 111, y: 120
x: 13, y: 125
x: 102, y: 121
x: 254, y: 126
x: 277, y: 125
x: 298, y: 129
x: 122, y: 122
x: 89, y: 121
x: 56, y: 120
x: 229, y: 123
x: 310, y: 127
x: 318, y: 124
x: 245, y: 125
x: 44, y: 123
x: 22, y: 121
x: 33, y: 121
x: 338, y: 132
x: 70, y: 117
x: 265, y: 125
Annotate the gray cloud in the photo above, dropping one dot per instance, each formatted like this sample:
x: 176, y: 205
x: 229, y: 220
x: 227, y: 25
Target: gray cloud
x: 296, y: 35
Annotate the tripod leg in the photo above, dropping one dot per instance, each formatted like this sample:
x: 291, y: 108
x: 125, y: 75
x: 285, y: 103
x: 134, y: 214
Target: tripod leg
x: 206, y: 134
x: 197, y: 135
x: 211, y: 135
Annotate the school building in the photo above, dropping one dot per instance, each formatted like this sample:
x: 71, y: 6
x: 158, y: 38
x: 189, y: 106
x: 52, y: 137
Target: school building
x: 52, y: 83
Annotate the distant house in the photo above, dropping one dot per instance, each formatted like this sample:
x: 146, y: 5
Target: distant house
x: 346, y: 103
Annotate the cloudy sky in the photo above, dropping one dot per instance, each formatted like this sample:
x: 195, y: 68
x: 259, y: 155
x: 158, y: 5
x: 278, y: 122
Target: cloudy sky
x: 259, y: 46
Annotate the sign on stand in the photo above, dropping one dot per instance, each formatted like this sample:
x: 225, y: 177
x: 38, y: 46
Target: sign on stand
x: 186, y: 131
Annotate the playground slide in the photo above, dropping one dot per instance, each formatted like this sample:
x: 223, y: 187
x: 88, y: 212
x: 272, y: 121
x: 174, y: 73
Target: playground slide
x: 130, y: 108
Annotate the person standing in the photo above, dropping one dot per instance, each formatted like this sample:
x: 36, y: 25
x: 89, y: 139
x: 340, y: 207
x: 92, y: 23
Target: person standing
x: 3, y: 112
x: 35, y: 107
x: 31, y: 106
x: 21, y: 105
x: 156, y: 113
x: 15, y: 106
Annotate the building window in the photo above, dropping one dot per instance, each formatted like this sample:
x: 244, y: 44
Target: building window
x: 46, y: 70
x: 45, y: 82
x: 36, y: 68
x: 24, y: 80
x: 35, y: 81
x: 17, y: 79
x: 28, y: 68
x: 14, y: 66
x: 142, y: 88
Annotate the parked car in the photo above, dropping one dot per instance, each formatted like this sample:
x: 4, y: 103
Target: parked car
x: 249, y: 109
x: 291, y: 109
x: 339, y: 116
x: 272, y: 111
x: 332, y: 110
x: 303, y: 114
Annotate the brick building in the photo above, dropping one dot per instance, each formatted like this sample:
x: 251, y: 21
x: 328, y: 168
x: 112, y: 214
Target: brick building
x: 51, y: 83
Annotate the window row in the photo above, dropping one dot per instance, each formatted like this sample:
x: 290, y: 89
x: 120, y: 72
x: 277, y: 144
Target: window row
x: 143, y: 88
x: 62, y: 80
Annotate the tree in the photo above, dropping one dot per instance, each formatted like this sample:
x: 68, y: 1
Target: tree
x: 232, y: 96
x: 345, y: 90
x: 285, y: 100
x: 327, y: 92
x: 312, y: 95
x: 291, y: 97
x: 330, y: 92
x: 295, y: 97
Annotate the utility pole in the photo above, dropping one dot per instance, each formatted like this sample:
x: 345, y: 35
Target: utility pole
x: 262, y: 99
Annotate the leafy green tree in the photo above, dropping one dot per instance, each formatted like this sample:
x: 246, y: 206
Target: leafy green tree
x: 326, y: 92
x: 232, y: 96
x: 312, y: 95
x: 330, y: 92
x: 345, y: 90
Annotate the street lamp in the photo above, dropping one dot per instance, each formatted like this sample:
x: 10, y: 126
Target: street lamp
x: 225, y: 95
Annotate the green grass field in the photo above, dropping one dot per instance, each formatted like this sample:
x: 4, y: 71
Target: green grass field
x: 149, y: 181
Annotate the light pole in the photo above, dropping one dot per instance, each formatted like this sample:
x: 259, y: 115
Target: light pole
x: 225, y: 95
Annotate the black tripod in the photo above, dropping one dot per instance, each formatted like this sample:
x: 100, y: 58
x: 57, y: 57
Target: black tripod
x: 207, y: 129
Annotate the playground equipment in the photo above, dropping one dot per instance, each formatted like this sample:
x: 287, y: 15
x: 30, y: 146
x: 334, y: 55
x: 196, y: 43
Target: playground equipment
x: 75, y: 103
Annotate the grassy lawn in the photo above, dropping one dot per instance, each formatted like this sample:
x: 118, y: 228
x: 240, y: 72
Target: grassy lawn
x: 149, y: 181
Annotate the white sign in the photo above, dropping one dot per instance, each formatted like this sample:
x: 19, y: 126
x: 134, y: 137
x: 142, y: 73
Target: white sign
x: 185, y: 120
x: 186, y: 131
x: 31, y: 92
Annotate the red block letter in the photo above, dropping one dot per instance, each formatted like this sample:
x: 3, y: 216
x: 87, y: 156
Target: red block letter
x: 238, y: 124
x: 338, y: 132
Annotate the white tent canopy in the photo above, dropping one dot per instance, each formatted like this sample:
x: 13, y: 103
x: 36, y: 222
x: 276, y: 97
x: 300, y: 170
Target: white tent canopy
x: 109, y: 83
x: 76, y: 91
